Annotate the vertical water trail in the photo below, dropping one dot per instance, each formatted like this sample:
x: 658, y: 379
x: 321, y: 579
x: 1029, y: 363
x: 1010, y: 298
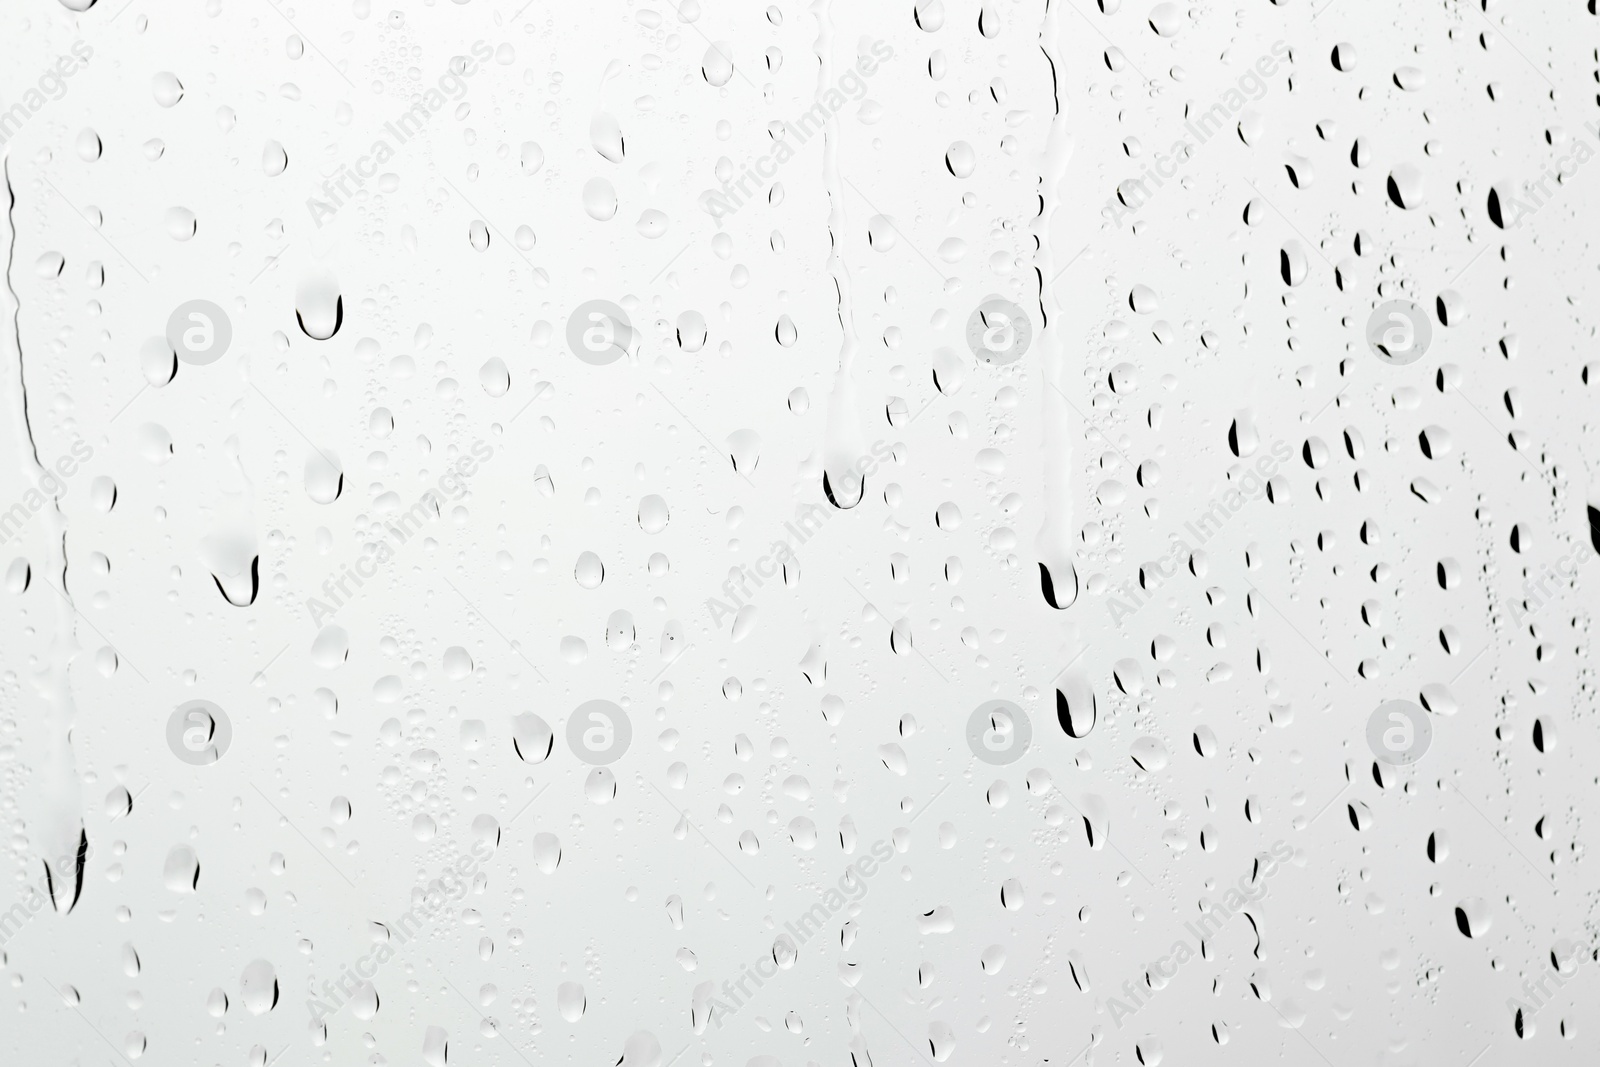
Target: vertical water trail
x: 1057, y: 576
x: 231, y: 551
x: 843, y: 445
x: 56, y: 830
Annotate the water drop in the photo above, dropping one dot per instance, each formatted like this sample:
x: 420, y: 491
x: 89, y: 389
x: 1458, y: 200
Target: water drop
x: 324, y: 476
x: 88, y: 145
x: 166, y: 88
x: 571, y: 1001
x: 717, y: 66
x: 319, y: 306
x: 495, y: 377
x: 274, y: 159
x: 960, y: 160
x: 258, y: 987
x: 599, y: 199
x: 606, y: 136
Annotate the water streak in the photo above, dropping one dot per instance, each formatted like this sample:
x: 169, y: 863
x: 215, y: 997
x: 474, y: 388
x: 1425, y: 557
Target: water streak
x: 56, y: 831
x: 1057, y: 576
x: 843, y: 446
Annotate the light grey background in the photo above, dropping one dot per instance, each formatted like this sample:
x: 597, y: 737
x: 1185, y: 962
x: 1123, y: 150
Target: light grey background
x: 1280, y: 637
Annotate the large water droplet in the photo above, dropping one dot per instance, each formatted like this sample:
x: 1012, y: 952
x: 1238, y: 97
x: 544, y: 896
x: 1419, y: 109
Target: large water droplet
x: 495, y: 376
x: 1075, y: 705
x: 181, y: 872
x: 274, y: 159
x: 531, y: 157
x: 531, y: 737
x: 960, y: 160
x: 331, y: 647
x: 571, y: 1001
x: 606, y: 136
x: 318, y: 306
x: 599, y: 199
x: 324, y: 476
x: 166, y: 88
x: 717, y: 66
x: 258, y: 987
